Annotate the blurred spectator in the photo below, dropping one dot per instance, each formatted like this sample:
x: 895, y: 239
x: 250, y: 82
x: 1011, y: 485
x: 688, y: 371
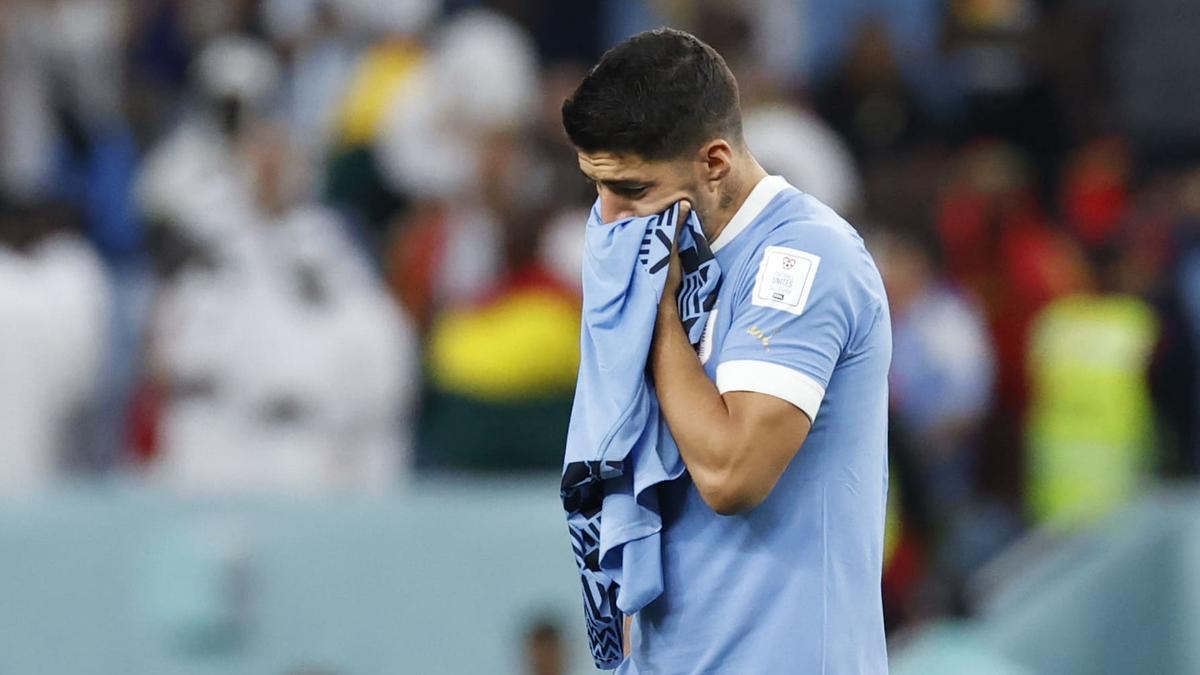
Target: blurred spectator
x: 941, y: 394
x: 503, y: 329
x: 235, y: 78
x: 435, y: 147
x: 60, y: 73
x: 347, y: 61
x: 64, y: 139
x: 280, y: 361
x: 797, y: 145
x: 1095, y: 190
x: 321, y: 56
x: 508, y: 364
x: 61, y: 131
x: 545, y: 652
x: 383, y: 78
x: 1091, y: 426
x: 942, y: 368
x: 1000, y: 246
x: 432, y: 139
x: 286, y: 366
x: 55, y: 301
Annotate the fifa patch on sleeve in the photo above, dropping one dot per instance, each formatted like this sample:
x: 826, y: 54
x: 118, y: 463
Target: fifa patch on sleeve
x: 785, y: 278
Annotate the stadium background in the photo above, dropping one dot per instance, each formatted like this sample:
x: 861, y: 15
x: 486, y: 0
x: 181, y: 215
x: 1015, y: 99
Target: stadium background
x: 289, y: 321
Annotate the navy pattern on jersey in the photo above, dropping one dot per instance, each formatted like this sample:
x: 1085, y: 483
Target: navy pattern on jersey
x: 701, y: 281
x: 583, y: 495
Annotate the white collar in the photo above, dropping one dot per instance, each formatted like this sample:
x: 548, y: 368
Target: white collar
x: 759, y: 197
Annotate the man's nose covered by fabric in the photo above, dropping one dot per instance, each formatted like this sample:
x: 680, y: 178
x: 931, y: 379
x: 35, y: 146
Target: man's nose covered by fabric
x: 618, y: 447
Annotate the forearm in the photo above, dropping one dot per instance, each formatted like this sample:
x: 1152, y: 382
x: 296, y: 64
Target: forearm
x: 695, y: 412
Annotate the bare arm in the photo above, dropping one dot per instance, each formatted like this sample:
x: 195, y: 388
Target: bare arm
x: 736, y: 445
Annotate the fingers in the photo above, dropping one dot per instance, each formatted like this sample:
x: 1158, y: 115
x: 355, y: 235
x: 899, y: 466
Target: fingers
x: 685, y: 209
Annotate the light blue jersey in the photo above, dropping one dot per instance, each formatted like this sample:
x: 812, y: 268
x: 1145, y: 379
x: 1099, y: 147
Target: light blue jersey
x: 793, y: 585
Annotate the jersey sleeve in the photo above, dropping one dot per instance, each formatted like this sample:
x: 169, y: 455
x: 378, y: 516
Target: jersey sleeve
x: 794, y: 316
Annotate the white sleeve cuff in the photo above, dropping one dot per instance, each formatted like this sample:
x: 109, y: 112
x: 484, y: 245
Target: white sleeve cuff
x: 772, y: 379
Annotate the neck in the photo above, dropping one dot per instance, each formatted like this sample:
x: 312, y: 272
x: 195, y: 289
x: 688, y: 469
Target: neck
x: 736, y: 188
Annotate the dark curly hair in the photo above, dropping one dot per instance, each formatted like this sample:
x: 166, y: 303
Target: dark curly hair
x: 660, y: 94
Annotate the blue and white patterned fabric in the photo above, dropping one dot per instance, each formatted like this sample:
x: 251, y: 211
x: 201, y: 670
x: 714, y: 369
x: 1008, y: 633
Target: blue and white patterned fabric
x: 618, y: 448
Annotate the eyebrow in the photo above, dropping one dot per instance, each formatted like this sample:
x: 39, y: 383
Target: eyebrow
x: 628, y: 184
x: 623, y: 183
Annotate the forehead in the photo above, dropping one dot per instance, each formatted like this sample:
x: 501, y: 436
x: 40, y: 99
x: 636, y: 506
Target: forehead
x: 609, y: 166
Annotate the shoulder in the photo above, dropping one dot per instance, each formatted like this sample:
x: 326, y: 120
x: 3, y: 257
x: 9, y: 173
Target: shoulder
x: 797, y: 231
x: 801, y: 220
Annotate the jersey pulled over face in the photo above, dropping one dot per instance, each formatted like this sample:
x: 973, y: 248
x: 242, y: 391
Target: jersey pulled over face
x: 792, y: 586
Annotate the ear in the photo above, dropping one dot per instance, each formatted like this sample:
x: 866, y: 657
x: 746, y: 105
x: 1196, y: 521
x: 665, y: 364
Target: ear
x: 717, y: 158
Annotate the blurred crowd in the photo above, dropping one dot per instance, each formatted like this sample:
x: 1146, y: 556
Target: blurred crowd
x: 327, y: 246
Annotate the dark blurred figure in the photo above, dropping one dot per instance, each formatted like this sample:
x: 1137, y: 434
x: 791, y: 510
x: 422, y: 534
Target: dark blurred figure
x: 897, y: 143
x: 1071, y: 48
x: 562, y: 31
x: 1154, y: 59
x: 992, y: 46
x: 1171, y: 202
x: 545, y: 653
x: 868, y: 101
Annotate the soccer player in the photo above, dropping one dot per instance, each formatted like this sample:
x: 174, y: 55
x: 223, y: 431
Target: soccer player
x: 772, y: 540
